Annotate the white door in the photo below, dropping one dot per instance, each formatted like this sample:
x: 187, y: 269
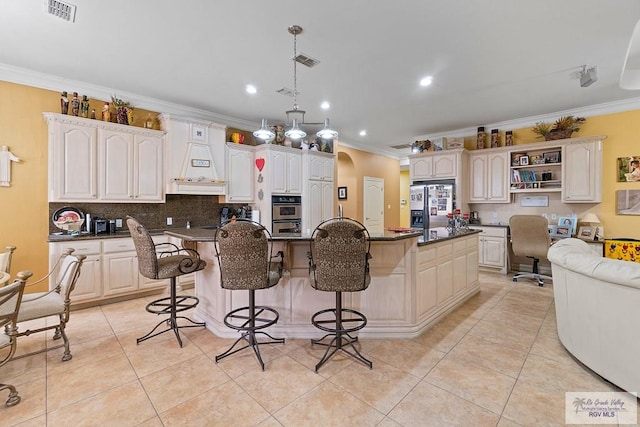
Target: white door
x: 373, y: 204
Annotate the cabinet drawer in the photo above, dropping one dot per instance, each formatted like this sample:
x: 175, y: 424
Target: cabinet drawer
x: 118, y: 245
x: 492, y: 231
x: 81, y: 247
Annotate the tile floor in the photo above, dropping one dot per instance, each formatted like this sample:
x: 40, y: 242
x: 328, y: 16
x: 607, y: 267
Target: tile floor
x: 495, y: 361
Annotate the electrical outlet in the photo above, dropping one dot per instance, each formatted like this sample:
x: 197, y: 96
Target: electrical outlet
x: 554, y: 216
x: 119, y: 223
x: 169, y: 220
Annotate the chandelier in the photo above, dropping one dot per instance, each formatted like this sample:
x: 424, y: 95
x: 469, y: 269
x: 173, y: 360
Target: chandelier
x: 295, y: 116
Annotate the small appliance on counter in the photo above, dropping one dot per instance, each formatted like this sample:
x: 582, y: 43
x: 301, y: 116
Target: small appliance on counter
x: 100, y: 226
x: 474, y: 218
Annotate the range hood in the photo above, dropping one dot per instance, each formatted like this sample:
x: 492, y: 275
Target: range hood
x: 195, y: 156
x: 198, y: 174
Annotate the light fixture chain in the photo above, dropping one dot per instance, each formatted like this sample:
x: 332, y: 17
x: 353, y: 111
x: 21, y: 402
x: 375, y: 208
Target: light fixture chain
x: 295, y: 73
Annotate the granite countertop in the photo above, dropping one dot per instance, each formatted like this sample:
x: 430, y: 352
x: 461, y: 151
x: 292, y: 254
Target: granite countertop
x: 199, y: 234
x: 435, y: 235
x: 91, y: 236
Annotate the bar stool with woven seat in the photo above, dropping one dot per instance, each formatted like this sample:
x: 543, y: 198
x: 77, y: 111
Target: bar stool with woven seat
x: 244, y: 255
x: 339, y: 262
x: 167, y: 264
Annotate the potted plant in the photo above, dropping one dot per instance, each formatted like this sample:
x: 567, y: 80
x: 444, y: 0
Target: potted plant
x: 561, y: 129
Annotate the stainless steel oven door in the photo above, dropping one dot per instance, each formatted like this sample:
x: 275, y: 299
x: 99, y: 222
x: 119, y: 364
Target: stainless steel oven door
x: 287, y: 211
x: 286, y: 228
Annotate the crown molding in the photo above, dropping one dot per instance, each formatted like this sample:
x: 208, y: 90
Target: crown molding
x: 27, y: 77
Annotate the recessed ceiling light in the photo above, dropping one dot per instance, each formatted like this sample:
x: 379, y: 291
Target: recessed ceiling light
x: 325, y: 105
x: 426, y: 81
x: 363, y: 133
x: 251, y: 89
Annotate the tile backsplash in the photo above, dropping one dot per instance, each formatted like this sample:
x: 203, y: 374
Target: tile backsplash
x: 198, y: 210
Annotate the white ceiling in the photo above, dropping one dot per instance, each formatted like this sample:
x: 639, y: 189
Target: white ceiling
x: 493, y: 61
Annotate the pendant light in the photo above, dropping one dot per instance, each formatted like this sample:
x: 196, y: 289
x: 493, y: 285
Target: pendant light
x: 295, y: 116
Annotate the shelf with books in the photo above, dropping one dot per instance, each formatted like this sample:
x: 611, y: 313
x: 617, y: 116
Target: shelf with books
x: 534, y: 171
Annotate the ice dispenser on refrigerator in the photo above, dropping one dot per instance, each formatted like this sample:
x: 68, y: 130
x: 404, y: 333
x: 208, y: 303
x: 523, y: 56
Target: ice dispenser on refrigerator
x: 430, y: 203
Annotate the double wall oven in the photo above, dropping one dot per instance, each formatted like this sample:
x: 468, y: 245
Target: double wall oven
x: 286, y: 215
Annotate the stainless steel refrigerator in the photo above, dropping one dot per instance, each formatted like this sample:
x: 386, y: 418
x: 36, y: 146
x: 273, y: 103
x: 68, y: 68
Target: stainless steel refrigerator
x: 430, y: 203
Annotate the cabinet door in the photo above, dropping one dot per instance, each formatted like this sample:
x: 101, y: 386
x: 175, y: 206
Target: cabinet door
x: 421, y: 168
x: 240, y: 175
x: 73, y: 163
x: 314, y: 209
x: 116, y: 160
x: 582, y: 172
x: 278, y: 172
x: 315, y: 166
x: 445, y: 166
x: 294, y: 173
x: 328, y: 166
x: 478, y: 178
x: 493, y: 250
x: 498, y: 177
x: 120, y: 273
x: 328, y: 195
x: 148, y: 170
x: 89, y: 284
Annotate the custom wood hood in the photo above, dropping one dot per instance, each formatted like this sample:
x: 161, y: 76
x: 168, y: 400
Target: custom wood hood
x: 195, y: 156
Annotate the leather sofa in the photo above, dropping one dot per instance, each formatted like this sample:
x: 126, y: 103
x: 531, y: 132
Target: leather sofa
x: 597, y: 304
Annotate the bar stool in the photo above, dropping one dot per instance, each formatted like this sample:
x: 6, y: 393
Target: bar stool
x: 339, y: 262
x: 245, y: 259
x: 165, y: 265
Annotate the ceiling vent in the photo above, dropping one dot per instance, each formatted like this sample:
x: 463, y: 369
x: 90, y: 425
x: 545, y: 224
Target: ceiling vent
x: 401, y: 146
x: 303, y: 59
x: 61, y: 9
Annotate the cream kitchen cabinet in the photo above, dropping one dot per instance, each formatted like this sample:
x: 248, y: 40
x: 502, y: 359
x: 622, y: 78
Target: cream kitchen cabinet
x: 89, y: 283
x: 318, y: 204
x: 582, y: 172
x: 130, y: 167
x: 489, y: 177
x: 110, y: 269
x: 90, y: 160
x: 320, y: 165
x: 285, y: 172
x: 436, y: 165
x: 73, y: 160
x: 319, y: 188
x: 240, y: 173
x: 492, y: 248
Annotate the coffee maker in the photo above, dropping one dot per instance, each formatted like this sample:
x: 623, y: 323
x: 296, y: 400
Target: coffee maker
x: 474, y: 218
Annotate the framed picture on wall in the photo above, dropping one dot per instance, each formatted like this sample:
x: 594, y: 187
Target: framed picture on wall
x: 342, y: 193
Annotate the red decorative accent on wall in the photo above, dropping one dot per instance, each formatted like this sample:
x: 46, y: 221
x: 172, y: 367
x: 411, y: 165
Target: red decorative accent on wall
x: 260, y: 163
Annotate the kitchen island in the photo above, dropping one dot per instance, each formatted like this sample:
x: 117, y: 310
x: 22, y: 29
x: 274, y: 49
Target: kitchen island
x: 415, y: 280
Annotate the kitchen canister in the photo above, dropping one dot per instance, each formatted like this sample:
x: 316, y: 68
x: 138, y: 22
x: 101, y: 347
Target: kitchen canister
x: 495, y: 138
x: 480, y: 143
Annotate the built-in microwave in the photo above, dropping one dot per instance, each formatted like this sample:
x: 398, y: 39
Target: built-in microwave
x: 286, y: 208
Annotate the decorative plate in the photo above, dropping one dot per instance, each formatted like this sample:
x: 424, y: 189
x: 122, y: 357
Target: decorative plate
x: 68, y: 218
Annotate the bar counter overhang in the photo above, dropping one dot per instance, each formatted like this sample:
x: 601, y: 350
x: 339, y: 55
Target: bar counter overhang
x: 414, y: 283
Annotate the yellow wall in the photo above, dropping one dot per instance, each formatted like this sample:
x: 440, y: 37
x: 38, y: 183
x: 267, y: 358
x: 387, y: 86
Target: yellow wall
x: 24, y: 209
x: 353, y: 166
x: 404, y: 195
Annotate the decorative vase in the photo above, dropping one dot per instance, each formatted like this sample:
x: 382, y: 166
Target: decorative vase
x: 122, y: 116
x: 129, y: 115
